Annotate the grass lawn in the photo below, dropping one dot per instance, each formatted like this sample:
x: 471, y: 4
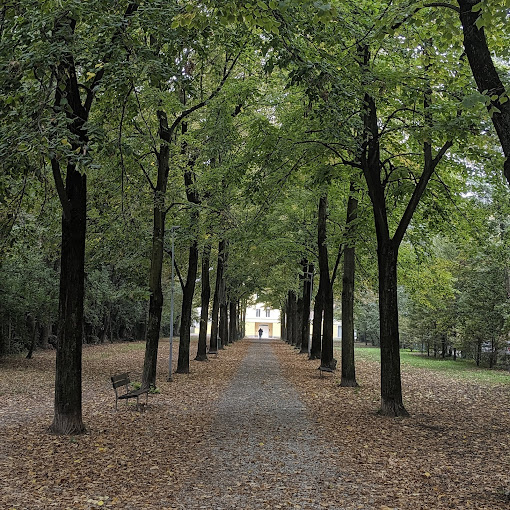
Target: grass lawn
x: 463, y: 369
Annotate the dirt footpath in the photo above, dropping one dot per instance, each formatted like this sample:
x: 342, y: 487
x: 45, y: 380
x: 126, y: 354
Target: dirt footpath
x: 263, y: 450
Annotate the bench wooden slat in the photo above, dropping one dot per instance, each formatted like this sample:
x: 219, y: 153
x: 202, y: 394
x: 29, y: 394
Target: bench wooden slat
x: 133, y: 394
x: 120, y: 380
x: 325, y: 369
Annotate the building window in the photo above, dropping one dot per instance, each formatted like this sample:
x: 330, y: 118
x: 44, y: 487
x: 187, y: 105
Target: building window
x: 257, y: 312
x: 268, y: 312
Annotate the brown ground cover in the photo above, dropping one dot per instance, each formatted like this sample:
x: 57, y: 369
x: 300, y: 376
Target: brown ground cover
x: 452, y: 452
x: 127, y: 460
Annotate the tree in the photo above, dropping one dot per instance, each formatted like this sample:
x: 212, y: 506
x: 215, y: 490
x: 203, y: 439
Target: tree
x: 57, y: 108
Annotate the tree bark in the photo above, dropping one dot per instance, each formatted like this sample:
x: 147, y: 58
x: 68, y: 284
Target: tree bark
x: 68, y: 381
x: 486, y: 76
x: 288, y: 318
x: 158, y: 239
x: 391, y: 386
x: 223, y: 327
x: 315, y: 352
x: 348, y: 365
x: 216, y: 298
x: 307, y: 296
x: 327, y: 359
x: 232, y: 334
x: 299, y: 322
x: 243, y: 319
x: 283, y: 322
x: 32, y: 325
x: 186, y: 310
x: 292, y: 319
x: 204, y: 303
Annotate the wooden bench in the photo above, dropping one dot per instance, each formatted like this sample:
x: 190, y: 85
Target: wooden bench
x: 325, y: 369
x: 122, y: 380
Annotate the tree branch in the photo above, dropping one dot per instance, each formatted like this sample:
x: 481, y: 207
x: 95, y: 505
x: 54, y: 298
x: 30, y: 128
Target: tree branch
x: 61, y: 190
x: 337, y: 262
x: 212, y: 95
x: 131, y: 8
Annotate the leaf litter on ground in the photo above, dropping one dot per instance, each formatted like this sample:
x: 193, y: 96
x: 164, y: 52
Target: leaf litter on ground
x: 451, y: 453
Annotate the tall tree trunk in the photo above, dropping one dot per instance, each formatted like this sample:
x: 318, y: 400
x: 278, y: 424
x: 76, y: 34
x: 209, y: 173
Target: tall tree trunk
x: 391, y: 385
x: 486, y: 76
x: 186, y: 310
x: 223, y: 327
x: 68, y: 400
x: 315, y: 352
x: 216, y: 298
x: 288, y: 318
x: 348, y: 366
x: 32, y: 324
x: 283, y: 322
x: 158, y: 239
x: 204, y: 303
x: 299, y: 321
x: 307, y: 296
x: 291, y: 317
x: 327, y: 359
x: 232, y: 335
x: 243, y: 318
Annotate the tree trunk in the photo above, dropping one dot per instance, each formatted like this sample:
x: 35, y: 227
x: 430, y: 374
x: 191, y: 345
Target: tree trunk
x: 216, y: 299
x: 186, y: 310
x: 307, y: 296
x: 348, y: 366
x: 232, y: 334
x: 486, y: 76
x: 327, y: 359
x: 45, y: 333
x: 286, y: 308
x: 223, y: 327
x: 391, y: 386
x: 32, y: 325
x: 283, y: 322
x: 204, y: 303
x: 243, y: 319
x: 291, y: 318
x: 299, y: 322
x: 68, y: 399
x: 156, y: 293
x: 315, y: 352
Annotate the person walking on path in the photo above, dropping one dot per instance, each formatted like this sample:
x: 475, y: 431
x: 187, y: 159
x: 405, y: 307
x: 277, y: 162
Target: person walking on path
x: 260, y: 333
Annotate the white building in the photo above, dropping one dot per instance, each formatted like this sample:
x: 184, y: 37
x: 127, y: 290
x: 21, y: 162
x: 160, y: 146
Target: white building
x: 259, y: 316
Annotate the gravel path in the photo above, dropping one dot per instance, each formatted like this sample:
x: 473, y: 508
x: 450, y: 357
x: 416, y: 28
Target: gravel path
x: 262, y: 450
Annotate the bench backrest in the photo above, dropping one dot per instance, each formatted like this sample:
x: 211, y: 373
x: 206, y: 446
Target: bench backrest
x: 120, y: 380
